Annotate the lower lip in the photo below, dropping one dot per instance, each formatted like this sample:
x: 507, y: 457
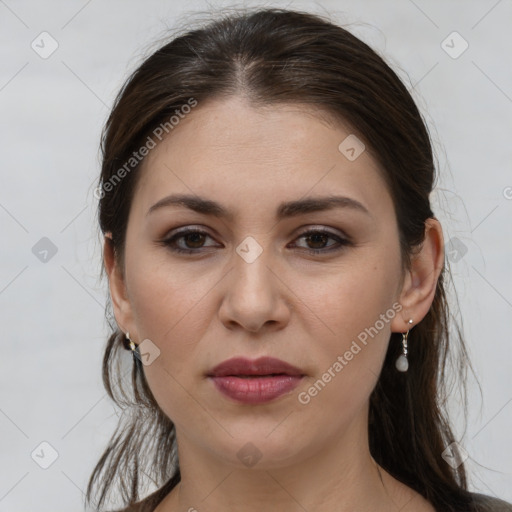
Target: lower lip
x: 256, y: 390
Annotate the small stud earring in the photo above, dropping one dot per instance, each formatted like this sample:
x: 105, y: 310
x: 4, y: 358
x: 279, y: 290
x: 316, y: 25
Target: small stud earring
x: 402, y: 363
x: 129, y: 345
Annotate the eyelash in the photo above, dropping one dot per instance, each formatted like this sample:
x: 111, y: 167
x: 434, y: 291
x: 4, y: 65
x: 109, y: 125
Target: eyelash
x: 170, y: 242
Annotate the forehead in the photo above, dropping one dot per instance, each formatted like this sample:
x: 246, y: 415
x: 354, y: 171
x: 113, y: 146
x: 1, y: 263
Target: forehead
x: 256, y: 155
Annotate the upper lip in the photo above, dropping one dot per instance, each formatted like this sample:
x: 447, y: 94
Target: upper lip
x: 260, y: 366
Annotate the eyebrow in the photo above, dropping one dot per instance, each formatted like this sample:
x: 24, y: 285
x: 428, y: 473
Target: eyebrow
x: 285, y: 210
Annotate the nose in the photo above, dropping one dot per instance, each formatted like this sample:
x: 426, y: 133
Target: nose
x: 255, y: 296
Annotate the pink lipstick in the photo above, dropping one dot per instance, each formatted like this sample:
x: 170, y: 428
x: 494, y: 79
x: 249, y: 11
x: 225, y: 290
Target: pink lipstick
x: 255, y: 381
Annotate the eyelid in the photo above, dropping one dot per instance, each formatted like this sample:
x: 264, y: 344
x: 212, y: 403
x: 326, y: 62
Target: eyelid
x: 342, y: 240
x: 323, y: 229
x: 302, y: 231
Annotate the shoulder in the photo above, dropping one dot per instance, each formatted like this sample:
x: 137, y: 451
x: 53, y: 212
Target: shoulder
x: 151, y: 503
x: 134, y: 507
x: 483, y: 503
x: 479, y: 503
x: 137, y: 507
x: 146, y: 505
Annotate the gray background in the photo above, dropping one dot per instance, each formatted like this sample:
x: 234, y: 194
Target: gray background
x: 52, y: 312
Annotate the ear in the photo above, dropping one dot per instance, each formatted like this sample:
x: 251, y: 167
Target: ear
x: 118, y: 293
x: 420, y: 282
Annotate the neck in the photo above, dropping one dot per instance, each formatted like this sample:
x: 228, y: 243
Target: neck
x: 341, y: 477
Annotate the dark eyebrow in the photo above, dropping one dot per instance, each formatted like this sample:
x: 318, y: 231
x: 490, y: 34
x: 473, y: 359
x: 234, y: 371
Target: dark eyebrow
x: 285, y: 210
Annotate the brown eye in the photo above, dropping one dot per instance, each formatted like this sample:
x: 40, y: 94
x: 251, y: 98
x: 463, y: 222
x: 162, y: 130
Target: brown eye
x: 316, y: 241
x: 192, y: 240
x: 195, y: 239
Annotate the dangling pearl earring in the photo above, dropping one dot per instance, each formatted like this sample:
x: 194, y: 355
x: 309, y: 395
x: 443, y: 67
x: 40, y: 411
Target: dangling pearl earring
x: 402, y: 364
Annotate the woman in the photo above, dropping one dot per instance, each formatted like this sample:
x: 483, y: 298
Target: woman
x: 278, y: 274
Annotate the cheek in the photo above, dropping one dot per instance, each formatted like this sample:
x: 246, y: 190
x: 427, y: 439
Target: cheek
x: 355, y: 309
x: 351, y: 299
x: 168, y: 311
x: 164, y: 298
x: 169, y: 308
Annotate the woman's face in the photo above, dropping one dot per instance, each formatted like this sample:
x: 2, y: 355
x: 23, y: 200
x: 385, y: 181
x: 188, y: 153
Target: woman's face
x: 252, y: 285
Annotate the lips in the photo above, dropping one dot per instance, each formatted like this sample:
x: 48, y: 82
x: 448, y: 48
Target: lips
x: 255, y: 381
x: 264, y: 366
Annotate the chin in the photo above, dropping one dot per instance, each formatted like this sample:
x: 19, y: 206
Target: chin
x: 262, y: 448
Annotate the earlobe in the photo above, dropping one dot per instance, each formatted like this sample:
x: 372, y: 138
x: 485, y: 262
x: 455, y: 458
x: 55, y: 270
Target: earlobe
x: 420, y: 283
x: 120, y: 303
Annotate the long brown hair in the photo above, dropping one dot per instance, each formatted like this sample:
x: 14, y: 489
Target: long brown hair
x: 283, y: 56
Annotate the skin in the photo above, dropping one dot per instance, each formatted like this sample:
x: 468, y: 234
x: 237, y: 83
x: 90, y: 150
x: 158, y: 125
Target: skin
x: 304, y: 308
